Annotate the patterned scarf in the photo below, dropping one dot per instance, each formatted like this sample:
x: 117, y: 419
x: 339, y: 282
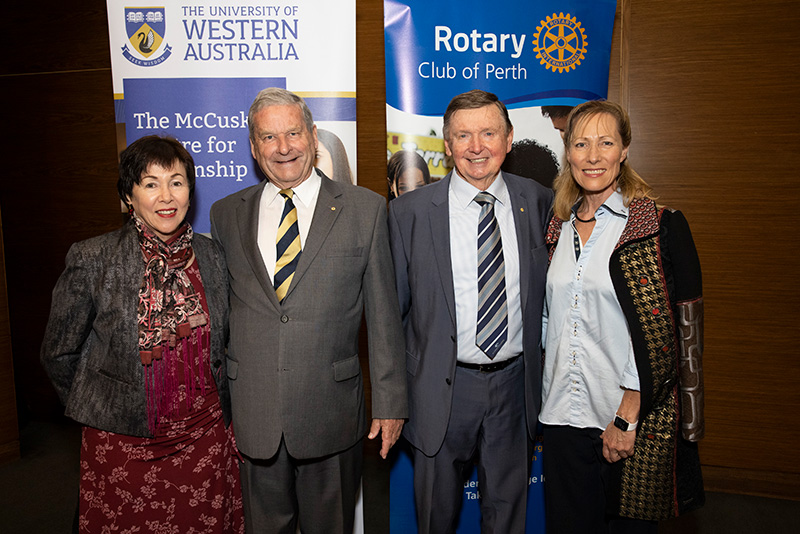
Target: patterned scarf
x: 169, y: 314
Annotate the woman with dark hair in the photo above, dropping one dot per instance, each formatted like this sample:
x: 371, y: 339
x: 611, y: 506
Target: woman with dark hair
x: 332, y: 157
x: 622, y: 396
x: 405, y: 172
x: 135, y: 349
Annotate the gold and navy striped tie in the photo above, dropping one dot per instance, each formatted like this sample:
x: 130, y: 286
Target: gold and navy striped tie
x: 492, y: 327
x: 288, y: 246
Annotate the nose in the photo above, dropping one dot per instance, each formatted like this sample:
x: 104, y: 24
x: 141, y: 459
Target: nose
x: 475, y: 144
x: 283, y: 144
x: 165, y: 193
x: 594, y: 153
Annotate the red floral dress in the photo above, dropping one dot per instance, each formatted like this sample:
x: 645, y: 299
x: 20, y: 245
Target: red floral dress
x: 185, y: 480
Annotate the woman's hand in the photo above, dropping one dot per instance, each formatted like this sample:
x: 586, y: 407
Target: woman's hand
x: 618, y: 444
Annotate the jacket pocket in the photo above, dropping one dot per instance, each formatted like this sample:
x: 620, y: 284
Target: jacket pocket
x: 112, y: 376
x: 232, y: 367
x: 346, y: 252
x: 345, y: 369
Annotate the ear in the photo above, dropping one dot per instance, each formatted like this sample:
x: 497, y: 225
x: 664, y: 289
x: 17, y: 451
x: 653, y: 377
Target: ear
x: 447, y: 150
x: 314, y: 135
x: 253, y: 150
x: 510, y: 140
x: 624, y: 154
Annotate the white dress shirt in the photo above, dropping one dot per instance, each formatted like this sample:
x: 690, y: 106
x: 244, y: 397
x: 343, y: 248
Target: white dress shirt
x: 464, y: 215
x: 588, y: 350
x: 270, y: 209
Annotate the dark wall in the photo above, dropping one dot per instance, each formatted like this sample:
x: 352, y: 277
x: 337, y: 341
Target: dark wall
x: 711, y: 88
x: 714, y: 111
x: 59, y: 142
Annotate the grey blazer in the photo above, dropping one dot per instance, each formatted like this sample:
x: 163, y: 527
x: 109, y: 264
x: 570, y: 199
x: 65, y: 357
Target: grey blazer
x: 420, y: 239
x: 90, y: 347
x: 293, y: 367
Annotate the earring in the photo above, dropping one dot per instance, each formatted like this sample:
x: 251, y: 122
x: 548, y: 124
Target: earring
x: 130, y: 210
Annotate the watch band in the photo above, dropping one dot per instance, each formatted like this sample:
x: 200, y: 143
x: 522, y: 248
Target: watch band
x: 624, y: 425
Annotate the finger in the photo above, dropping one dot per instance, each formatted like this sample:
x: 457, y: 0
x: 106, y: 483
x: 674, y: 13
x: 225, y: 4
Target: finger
x: 374, y: 429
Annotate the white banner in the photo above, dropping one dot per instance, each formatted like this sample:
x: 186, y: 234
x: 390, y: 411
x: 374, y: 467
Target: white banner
x: 191, y: 69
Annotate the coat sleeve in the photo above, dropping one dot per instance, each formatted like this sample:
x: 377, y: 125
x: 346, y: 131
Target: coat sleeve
x: 72, y: 313
x: 386, y: 343
x: 688, y: 296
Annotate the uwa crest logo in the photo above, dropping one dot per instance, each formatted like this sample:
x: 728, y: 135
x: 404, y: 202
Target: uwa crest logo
x: 146, y: 28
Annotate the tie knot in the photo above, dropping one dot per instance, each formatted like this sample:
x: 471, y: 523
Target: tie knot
x: 484, y: 198
x: 287, y: 193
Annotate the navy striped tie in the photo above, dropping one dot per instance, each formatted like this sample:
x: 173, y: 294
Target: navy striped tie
x: 288, y: 246
x: 492, y: 328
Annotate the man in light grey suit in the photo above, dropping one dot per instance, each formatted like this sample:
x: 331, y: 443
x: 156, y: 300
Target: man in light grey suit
x: 470, y: 261
x: 293, y: 366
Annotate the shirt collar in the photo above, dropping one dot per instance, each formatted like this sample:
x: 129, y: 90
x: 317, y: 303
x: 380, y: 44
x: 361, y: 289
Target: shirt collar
x: 614, y: 205
x: 303, y: 193
x: 465, y: 192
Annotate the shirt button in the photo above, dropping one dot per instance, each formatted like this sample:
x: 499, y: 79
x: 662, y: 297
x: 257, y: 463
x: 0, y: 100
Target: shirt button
x: 284, y: 318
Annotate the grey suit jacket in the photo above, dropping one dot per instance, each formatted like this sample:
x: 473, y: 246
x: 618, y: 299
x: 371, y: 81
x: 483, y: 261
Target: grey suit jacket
x: 293, y: 367
x: 420, y: 237
x: 90, y: 347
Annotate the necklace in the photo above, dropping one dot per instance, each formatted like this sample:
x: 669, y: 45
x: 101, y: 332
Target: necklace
x: 585, y: 220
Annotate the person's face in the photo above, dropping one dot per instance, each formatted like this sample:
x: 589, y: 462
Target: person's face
x: 478, y: 143
x: 161, y: 198
x: 559, y: 124
x: 283, y: 147
x: 409, y: 180
x: 595, y: 155
x: 324, y: 160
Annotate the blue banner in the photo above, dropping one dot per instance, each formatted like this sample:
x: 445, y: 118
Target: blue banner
x: 533, y: 53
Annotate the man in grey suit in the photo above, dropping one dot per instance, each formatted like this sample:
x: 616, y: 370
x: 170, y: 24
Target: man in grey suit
x: 470, y: 261
x: 306, y: 257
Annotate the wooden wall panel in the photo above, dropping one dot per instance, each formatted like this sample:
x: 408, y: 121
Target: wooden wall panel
x: 713, y: 89
x: 371, y: 96
x: 9, y: 431
x: 60, y: 147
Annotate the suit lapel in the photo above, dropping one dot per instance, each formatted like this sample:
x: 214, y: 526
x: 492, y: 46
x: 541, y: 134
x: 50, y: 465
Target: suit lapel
x: 522, y: 214
x: 247, y: 218
x: 330, y: 203
x: 440, y: 232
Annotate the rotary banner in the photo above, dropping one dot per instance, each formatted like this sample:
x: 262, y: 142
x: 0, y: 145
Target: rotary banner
x: 191, y: 69
x: 540, y: 58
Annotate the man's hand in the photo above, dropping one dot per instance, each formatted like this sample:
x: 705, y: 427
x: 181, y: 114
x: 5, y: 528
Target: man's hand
x: 390, y: 428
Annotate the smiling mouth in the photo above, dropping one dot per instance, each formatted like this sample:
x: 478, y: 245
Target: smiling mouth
x: 479, y: 160
x: 594, y: 172
x: 167, y: 213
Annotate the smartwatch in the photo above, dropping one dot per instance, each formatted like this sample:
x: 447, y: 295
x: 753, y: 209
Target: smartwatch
x: 623, y: 425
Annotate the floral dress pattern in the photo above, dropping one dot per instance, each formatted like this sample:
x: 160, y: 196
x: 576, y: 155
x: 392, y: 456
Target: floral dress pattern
x: 184, y: 480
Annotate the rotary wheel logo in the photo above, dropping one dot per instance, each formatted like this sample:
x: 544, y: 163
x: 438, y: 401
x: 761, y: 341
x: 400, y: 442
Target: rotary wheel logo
x: 560, y: 42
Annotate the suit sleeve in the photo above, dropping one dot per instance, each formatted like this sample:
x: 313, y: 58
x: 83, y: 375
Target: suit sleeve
x: 386, y: 344
x: 71, y: 316
x: 400, y: 264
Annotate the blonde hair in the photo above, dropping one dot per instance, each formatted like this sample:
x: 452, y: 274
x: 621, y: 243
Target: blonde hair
x: 630, y: 184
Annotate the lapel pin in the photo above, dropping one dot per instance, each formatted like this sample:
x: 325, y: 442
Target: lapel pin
x: 333, y: 208
x: 522, y: 209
